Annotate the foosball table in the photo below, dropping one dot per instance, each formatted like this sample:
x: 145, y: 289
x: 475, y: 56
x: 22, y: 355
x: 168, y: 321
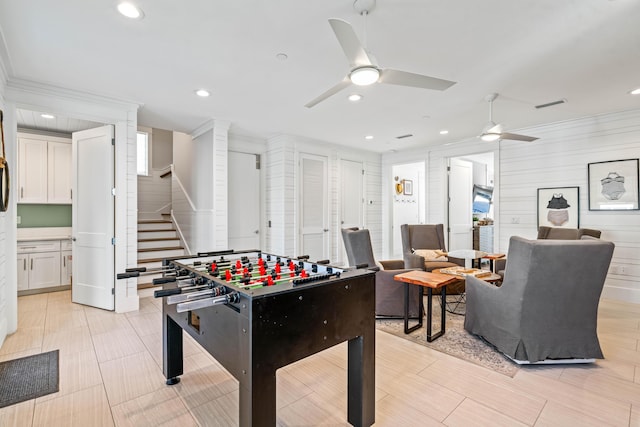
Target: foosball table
x: 256, y: 312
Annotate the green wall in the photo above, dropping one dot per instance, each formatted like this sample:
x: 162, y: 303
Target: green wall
x: 44, y: 216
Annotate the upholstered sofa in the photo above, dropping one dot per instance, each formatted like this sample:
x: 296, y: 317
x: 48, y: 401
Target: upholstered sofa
x: 547, y: 306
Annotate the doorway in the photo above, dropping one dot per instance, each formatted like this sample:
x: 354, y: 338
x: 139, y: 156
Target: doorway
x: 60, y: 215
x: 314, y: 217
x: 464, y: 214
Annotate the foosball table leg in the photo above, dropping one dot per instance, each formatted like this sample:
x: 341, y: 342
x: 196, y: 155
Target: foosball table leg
x: 172, y: 350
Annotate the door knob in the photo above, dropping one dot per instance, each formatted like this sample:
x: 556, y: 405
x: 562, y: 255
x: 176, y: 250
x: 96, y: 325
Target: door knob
x: 73, y: 239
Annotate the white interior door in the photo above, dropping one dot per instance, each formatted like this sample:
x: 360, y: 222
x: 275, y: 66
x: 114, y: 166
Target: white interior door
x: 314, y: 219
x: 93, y: 218
x: 351, y: 199
x: 244, y: 201
x: 460, y: 204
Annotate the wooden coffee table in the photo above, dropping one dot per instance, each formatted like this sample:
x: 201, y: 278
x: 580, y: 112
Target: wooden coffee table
x: 430, y: 281
x: 491, y: 278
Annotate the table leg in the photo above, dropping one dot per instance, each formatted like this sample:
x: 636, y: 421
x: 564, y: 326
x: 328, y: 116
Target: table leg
x: 408, y: 329
x: 430, y: 336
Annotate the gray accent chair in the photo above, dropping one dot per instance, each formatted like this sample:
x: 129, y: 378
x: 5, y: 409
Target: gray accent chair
x: 554, y: 233
x: 547, y: 306
x: 560, y: 233
x: 427, y: 236
x: 389, y: 293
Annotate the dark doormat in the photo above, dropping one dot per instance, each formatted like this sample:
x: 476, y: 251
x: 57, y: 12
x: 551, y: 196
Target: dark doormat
x: 28, y: 377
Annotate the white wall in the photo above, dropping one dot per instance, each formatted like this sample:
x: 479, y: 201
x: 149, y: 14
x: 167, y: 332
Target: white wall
x: 282, y: 208
x: 558, y: 159
x: 8, y: 303
x: 199, y: 187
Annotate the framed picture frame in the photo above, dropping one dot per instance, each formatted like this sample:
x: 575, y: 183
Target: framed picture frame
x: 559, y: 207
x: 613, y: 185
x: 408, y: 187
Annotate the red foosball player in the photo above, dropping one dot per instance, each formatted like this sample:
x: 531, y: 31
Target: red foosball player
x: 227, y: 276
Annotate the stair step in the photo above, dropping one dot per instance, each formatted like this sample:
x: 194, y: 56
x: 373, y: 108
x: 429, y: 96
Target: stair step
x: 160, y: 252
x: 155, y: 224
x: 157, y: 243
x: 157, y: 234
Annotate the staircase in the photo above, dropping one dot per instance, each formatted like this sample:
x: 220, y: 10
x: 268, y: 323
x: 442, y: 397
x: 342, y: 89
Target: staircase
x: 157, y: 239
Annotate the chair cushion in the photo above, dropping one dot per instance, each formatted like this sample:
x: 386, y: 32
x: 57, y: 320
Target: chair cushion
x: 431, y: 254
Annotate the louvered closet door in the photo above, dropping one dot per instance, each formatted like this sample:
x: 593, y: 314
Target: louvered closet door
x: 314, y: 229
x: 351, y: 199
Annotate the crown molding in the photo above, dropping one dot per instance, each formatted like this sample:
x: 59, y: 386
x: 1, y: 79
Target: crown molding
x: 223, y: 125
x: 16, y: 86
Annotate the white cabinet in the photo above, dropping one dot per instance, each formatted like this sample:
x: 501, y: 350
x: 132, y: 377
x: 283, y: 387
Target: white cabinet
x: 44, y: 169
x: 65, y: 262
x: 38, y: 264
x: 32, y: 170
x: 59, y: 172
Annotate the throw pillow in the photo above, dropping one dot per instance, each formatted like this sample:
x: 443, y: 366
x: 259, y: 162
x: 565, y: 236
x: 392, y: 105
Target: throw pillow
x: 431, y: 254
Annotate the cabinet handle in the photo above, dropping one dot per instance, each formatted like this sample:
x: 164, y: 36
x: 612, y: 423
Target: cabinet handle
x: 32, y: 263
x: 64, y: 261
x: 21, y: 192
x: 24, y: 264
x: 71, y: 194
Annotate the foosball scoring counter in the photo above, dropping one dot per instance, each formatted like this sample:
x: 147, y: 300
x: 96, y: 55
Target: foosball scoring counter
x: 256, y: 312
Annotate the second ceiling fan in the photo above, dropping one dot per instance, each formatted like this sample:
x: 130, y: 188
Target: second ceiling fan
x: 493, y: 132
x: 364, y: 71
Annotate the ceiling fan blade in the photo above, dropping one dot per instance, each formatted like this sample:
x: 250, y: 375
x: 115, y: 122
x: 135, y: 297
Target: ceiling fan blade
x: 516, y: 137
x: 337, y: 88
x: 350, y: 43
x: 404, y: 78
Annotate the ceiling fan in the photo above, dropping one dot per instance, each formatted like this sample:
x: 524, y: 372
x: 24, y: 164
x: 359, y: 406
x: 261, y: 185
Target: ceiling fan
x: 364, y: 70
x: 493, y: 132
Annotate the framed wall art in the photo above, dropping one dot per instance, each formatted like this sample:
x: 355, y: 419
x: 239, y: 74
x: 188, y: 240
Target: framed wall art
x: 559, y: 207
x: 408, y: 187
x: 613, y: 185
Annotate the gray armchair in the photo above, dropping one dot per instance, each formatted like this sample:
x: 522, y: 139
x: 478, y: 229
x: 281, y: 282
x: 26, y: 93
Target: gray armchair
x: 560, y: 233
x: 389, y: 293
x: 547, y: 306
x: 554, y: 233
x: 427, y: 236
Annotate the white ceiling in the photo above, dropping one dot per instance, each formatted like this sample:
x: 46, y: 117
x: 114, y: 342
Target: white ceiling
x: 531, y: 52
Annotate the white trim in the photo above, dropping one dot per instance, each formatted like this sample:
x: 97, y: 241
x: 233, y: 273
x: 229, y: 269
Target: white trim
x: 186, y: 195
x: 179, y: 231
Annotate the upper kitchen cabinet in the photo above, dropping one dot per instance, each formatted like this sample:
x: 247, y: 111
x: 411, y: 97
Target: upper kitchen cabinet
x: 44, y: 169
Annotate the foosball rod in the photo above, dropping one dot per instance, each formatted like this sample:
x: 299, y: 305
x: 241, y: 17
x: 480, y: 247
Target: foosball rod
x: 207, y: 302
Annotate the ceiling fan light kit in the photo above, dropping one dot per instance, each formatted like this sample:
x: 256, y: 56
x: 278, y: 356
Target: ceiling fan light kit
x: 364, y: 76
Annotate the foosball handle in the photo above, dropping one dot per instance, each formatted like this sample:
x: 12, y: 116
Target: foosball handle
x: 127, y: 275
x: 167, y: 292
x: 162, y: 280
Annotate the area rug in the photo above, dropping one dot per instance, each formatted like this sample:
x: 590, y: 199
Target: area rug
x: 455, y: 342
x: 28, y: 377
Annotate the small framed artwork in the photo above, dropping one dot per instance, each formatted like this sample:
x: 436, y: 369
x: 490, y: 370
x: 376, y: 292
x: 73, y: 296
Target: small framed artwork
x: 408, y: 187
x: 559, y: 207
x: 613, y: 185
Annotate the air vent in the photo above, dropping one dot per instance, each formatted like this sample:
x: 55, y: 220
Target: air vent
x: 409, y: 135
x: 551, y: 104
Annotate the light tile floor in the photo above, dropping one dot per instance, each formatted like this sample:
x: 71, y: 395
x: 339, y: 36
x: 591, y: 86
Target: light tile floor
x: 111, y: 374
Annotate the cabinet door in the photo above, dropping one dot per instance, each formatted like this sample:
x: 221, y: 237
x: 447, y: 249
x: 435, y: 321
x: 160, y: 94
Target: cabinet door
x: 65, y: 267
x: 23, y: 272
x: 59, y: 172
x: 32, y: 171
x: 44, y: 270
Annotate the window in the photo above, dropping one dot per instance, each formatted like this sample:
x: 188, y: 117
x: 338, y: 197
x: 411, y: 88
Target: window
x: 143, y: 153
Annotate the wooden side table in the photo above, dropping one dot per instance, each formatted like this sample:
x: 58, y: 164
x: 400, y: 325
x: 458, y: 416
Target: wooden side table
x: 492, y: 258
x: 431, y: 281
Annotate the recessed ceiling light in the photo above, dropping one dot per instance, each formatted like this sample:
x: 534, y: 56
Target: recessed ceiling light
x: 635, y: 91
x: 444, y: 132
x: 47, y: 116
x: 368, y: 137
x: 202, y: 92
x: 130, y: 10
x: 354, y: 97
x: 282, y: 56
